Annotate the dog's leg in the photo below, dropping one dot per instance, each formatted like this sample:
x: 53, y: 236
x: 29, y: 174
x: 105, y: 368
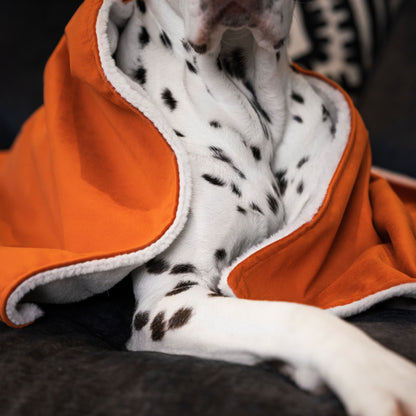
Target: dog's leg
x: 179, y: 314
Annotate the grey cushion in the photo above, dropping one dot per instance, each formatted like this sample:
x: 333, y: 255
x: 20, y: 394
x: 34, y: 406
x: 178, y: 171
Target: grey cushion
x: 72, y: 362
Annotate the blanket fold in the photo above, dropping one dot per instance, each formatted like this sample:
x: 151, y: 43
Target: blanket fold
x: 97, y: 184
x: 359, y: 249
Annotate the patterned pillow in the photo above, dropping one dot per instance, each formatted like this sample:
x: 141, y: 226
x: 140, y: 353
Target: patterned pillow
x: 340, y: 38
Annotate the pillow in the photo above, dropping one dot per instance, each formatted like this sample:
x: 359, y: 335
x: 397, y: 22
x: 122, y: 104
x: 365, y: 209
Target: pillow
x: 340, y: 38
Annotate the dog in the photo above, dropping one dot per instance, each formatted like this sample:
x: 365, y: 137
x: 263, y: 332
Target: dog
x: 220, y: 74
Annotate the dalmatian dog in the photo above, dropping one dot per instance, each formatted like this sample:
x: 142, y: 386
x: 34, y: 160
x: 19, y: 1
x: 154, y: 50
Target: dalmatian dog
x: 219, y: 71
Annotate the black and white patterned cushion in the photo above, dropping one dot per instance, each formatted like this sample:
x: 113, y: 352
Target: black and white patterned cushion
x: 341, y: 38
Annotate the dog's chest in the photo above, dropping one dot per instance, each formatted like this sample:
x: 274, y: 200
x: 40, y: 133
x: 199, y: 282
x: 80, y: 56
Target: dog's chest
x: 236, y: 201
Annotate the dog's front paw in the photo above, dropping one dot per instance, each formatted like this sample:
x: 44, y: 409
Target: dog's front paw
x: 379, y: 383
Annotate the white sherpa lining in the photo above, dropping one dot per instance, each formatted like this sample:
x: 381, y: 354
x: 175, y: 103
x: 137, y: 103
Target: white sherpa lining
x: 354, y: 308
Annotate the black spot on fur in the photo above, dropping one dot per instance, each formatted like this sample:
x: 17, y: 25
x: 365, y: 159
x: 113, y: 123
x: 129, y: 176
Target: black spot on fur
x: 220, y: 254
x: 178, y: 133
x: 278, y: 56
x: 250, y: 87
x: 240, y: 174
x: 241, y: 210
x: 276, y: 189
x: 298, y: 98
x: 191, y: 67
x: 325, y: 113
x: 140, y: 320
x: 140, y: 75
x: 300, y: 188
x: 235, y: 64
x: 255, y: 103
x: 165, y: 40
x: 261, y: 110
x: 256, y: 208
x: 201, y: 49
x: 183, y: 268
x: 157, y: 266
x: 180, y: 318
x: 302, y: 162
x: 298, y: 119
x: 280, y: 44
x: 213, y: 180
x: 215, y: 124
x: 142, y: 6
x: 144, y: 37
x: 168, y: 99
x: 219, y: 154
x: 273, y: 203
x: 185, y: 45
x: 281, y: 181
x: 158, y: 327
x: 219, y: 64
x: 256, y: 153
x: 236, y: 190
x: 181, y: 287
x: 325, y: 117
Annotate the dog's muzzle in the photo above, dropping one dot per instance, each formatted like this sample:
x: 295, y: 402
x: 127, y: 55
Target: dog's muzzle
x: 236, y: 14
x: 220, y: 15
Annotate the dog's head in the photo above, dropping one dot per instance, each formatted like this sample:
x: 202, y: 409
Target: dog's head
x: 207, y: 20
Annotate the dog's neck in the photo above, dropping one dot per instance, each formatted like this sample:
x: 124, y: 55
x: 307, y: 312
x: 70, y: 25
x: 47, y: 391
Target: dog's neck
x: 240, y: 76
x: 258, y: 74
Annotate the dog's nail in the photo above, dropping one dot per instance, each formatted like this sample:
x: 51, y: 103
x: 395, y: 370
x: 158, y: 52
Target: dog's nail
x: 201, y: 49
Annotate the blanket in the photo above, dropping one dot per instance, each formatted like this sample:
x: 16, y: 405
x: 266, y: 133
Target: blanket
x: 97, y: 184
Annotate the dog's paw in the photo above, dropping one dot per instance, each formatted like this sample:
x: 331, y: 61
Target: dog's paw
x: 382, y: 384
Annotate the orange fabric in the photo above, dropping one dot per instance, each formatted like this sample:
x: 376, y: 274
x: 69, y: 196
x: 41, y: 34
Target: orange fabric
x: 88, y: 176
x: 362, y: 240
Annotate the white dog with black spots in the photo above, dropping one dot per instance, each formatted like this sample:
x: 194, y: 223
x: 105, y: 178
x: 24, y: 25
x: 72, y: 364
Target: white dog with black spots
x: 219, y: 72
